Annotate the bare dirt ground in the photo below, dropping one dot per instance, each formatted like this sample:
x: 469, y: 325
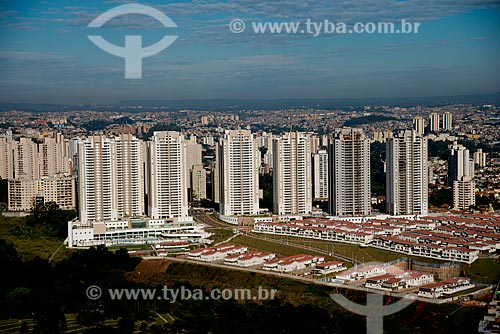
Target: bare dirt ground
x: 148, y: 271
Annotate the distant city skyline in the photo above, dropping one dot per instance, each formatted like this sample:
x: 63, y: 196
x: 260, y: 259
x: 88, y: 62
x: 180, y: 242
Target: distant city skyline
x: 46, y: 57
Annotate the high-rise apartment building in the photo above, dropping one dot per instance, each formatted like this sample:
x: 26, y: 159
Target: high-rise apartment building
x: 292, y: 174
x: 96, y: 179
x: 464, y: 195
x: 480, y: 157
x: 419, y: 124
x: 434, y: 122
x: 198, y: 183
x: 130, y: 176
x: 60, y: 189
x: 238, y: 161
x: 25, y: 159
x: 54, y: 156
x: 6, y: 158
x: 460, y: 177
x: 349, y: 173
x: 193, y: 157
x: 320, y: 175
x: 167, y: 176
x: 315, y: 142
x: 22, y: 194
x: 110, y: 178
x: 447, y: 123
x: 407, y: 173
x: 460, y: 165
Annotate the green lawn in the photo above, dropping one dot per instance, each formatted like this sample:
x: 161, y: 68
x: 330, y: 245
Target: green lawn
x: 268, y: 246
x: 220, y: 234
x: 484, y: 270
x: 365, y: 254
x: 33, y: 245
x: 131, y: 247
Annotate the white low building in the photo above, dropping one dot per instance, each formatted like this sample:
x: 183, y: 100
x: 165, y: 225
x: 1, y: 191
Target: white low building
x: 249, y: 259
x: 448, y: 286
x: 361, y: 273
x: 404, y: 280
x: 216, y: 253
x: 133, y: 231
x: 329, y: 267
x: 293, y: 263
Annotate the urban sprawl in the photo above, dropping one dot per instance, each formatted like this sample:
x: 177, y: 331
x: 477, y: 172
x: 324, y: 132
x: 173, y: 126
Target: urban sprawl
x: 420, y: 181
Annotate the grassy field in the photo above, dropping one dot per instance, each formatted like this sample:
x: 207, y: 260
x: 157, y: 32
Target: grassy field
x: 280, y: 250
x: 131, y: 247
x: 365, y: 254
x: 484, y: 270
x: 220, y: 234
x: 31, y: 246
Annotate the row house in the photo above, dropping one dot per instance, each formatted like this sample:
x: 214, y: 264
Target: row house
x: 215, y: 253
x: 361, y: 273
x: 448, y: 286
x: 293, y: 263
x: 249, y: 259
x: 404, y: 280
x: 329, y: 267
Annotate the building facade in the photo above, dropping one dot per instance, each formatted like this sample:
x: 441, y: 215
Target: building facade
x: 407, y: 173
x: 460, y: 177
x: 320, y: 175
x: 464, y: 194
x: 419, y: 124
x: 167, y: 176
x: 434, y: 122
x: 198, y: 183
x: 193, y: 157
x: 292, y: 174
x: 349, y: 173
x: 110, y: 178
x: 60, y: 189
x: 447, y: 124
x: 238, y: 161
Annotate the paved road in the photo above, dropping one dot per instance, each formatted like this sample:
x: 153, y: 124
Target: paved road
x: 206, y: 219
x: 55, y: 252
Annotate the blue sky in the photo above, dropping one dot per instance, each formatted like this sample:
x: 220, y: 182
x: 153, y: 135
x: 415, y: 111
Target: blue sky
x: 45, y: 55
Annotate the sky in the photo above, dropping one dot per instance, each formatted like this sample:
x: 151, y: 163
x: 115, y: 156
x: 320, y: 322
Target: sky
x: 46, y: 56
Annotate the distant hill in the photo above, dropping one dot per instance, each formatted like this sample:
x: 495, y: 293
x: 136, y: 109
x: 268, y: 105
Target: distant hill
x: 318, y: 103
x: 256, y: 104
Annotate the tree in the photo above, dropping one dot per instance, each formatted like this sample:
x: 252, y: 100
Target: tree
x: 126, y: 325
x: 50, y: 219
x: 18, y: 300
x: 4, y: 185
x: 90, y: 317
x: 24, y: 329
x: 8, y: 253
x: 439, y: 197
x: 266, y: 183
x: 377, y: 158
x: 51, y: 321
